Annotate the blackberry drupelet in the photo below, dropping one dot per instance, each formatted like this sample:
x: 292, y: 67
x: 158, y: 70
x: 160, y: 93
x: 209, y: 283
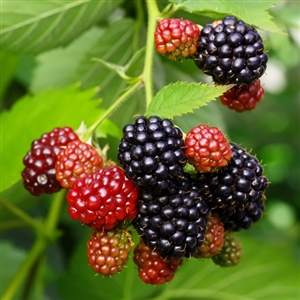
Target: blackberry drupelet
x: 207, y: 149
x: 151, y: 152
x: 108, y: 250
x: 76, y: 160
x: 39, y: 174
x: 243, y: 98
x: 236, y: 193
x: 231, y: 51
x: 172, y: 223
x: 176, y: 38
x: 213, y: 239
x: 152, y: 268
x: 230, y: 254
x: 103, y: 199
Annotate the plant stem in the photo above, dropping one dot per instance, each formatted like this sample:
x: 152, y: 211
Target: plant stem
x: 37, y: 227
x: 38, y: 248
x: 153, y: 15
x: 113, y: 107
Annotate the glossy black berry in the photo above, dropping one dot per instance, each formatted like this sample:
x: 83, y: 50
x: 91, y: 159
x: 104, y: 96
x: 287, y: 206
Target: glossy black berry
x: 236, y: 41
x: 174, y: 222
x: 151, y: 152
x: 236, y: 193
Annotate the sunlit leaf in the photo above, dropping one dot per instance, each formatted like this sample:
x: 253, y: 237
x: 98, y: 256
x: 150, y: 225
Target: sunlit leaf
x: 180, y: 98
x: 35, y: 26
x: 251, y: 12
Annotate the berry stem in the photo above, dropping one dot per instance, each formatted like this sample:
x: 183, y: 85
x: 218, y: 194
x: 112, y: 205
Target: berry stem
x: 39, y: 247
x: 130, y: 90
x: 153, y: 15
x: 27, y: 219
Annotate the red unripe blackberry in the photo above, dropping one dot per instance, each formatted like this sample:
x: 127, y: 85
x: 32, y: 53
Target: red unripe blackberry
x: 207, y: 149
x: 230, y: 254
x: 76, y: 160
x: 39, y: 174
x: 152, y: 268
x: 236, y: 193
x: 241, y: 98
x: 104, y: 198
x: 176, y: 38
x: 231, y: 51
x: 213, y: 239
x: 108, y: 250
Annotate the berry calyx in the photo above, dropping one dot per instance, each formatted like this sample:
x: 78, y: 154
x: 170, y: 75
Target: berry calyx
x: 76, y: 160
x: 213, y: 239
x: 108, y: 250
x: 152, y: 268
x: 207, y: 149
x: 176, y: 38
x: 39, y: 174
x: 243, y: 98
x: 230, y: 254
x: 104, y: 198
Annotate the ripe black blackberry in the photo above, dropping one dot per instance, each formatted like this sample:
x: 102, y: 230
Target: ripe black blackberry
x: 174, y: 222
x: 151, y: 152
x: 236, y: 193
x: 231, y: 51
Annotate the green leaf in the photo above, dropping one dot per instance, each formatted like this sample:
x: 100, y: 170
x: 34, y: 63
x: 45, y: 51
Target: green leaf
x: 252, y: 12
x: 180, y: 98
x: 31, y: 116
x: 8, y: 63
x: 266, y: 272
x: 63, y: 62
x: 115, y: 46
x: 32, y: 27
x: 11, y: 259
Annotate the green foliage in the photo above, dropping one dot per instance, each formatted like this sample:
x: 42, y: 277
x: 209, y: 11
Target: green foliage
x: 32, y: 27
x: 252, y: 12
x: 58, y: 59
x: 267, y: 274
x: 179, y: 98
x: 52, y: 108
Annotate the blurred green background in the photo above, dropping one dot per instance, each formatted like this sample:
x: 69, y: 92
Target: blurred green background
x: 271, y: 132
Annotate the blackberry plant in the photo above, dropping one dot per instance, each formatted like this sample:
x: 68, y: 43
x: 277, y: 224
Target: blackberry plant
x: 153, y: 174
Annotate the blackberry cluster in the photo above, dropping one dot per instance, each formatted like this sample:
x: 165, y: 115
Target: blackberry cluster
x: 236, y: 193
x: 231, y: 51
x: 151, y: 152
x: 174, y: 222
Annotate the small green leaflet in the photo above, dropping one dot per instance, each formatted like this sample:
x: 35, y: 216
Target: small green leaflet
x: 252, y: 12
x: 180, y: 98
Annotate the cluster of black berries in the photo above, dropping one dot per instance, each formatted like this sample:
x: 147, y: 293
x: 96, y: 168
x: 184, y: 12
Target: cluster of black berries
x: 228, y: 50
x: 174, y: 205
